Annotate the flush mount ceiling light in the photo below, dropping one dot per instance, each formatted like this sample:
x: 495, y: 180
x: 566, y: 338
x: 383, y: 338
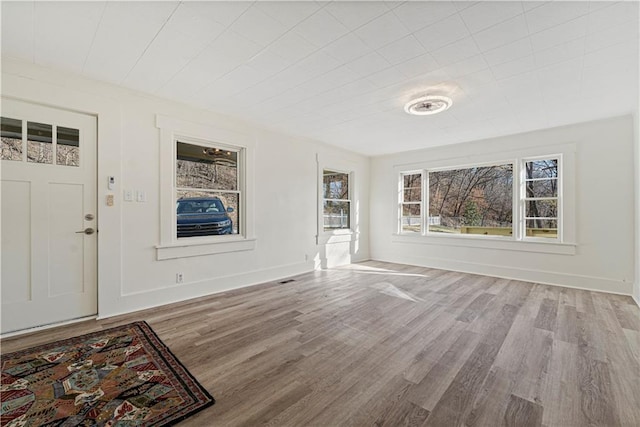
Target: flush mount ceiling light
x: 426, y: 105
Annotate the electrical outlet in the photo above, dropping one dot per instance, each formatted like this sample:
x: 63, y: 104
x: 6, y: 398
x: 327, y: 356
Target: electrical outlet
x: 179, y: 278
x: 128, y: 195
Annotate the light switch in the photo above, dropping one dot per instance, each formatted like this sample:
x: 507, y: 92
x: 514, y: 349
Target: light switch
x: 141, y: 196
x: 128, y: 195
x: 109, y: 199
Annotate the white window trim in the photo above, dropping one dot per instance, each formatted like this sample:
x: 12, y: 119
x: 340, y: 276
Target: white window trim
x: 566, y: 242
x: 348, y: 199
x: 423, y: 204
x: 171, y: 130
x: 344, y: 234
x: 520, y: 203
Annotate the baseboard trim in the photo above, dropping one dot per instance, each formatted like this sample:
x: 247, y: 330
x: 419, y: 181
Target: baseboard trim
x: 574, y: 281
x: 45, y: 327
x: 132, y: 302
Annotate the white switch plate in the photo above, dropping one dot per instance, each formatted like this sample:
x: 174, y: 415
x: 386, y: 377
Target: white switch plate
x: 141, y: 196
x: 128, y: 196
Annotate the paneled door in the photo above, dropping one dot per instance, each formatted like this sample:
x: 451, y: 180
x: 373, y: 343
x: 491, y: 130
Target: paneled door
x: 49, y: 224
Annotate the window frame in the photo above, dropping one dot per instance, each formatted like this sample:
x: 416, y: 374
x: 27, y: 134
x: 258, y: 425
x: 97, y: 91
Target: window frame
x: 425, y: 197
x: 518, y: 241
x: 55, y: 127
x: 522, y: 200
x: 349, y: 199
x: 336, y: 163
x: 424, y: 219
x: 173, y: 130
x: 240, y: 151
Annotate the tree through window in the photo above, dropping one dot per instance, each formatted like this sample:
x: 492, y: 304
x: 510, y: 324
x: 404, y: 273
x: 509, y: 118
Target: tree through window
x: 541, y: 197
x: 336, y: 200
x: 479, y: 200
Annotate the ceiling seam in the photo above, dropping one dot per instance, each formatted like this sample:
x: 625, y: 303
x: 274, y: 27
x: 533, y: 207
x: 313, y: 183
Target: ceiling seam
x: 151, y: 42
x: 351, y: 31
x: 441, y: 67
x: 33, y: 32
x: 209, y: 83
x: 333, y: 69
x: 226, y: 28
x: 93, y: 39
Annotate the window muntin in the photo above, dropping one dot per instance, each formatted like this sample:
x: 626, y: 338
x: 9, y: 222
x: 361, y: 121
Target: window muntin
x: 207, y: 177
x: 411, y: 203
x: 336, y: 200
x: 540, y: 197
x: 519, y: 200
x: 476, y: 200
x: 45, y: 143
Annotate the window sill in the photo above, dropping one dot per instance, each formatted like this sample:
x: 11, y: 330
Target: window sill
x: 481, y: 242
x: 193, y: 248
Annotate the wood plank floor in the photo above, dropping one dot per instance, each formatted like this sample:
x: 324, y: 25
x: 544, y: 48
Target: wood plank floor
x: 389, y: 345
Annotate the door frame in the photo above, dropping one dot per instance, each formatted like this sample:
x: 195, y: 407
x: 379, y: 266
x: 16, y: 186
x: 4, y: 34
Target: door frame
x: 29, y: 84
x: 37, y: 111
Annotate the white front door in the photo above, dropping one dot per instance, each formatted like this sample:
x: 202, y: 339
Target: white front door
x: 49, y: 224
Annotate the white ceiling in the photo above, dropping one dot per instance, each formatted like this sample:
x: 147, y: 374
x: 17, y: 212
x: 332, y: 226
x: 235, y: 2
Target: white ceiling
x: 340, y: 72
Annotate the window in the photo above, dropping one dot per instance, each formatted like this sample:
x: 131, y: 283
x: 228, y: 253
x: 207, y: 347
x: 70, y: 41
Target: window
x: 540, y: 197
x: 411, y: 203
x: 336, y: 200
x: 479, y: 200
x: 39, y: 143
x: 45, y: 143
x: 68, y: 147
x: 215, y: 165
x: 208, y: 196
x: 11, y: 139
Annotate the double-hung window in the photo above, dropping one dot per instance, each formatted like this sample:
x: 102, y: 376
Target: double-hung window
x: 411, y: 202
x: 208, y: 196
x: 336, y: 200
x: 540, y: 197
x: 206, y: 189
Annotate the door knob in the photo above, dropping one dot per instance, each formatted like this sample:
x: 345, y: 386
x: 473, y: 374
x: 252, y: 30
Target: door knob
x: 87, y: 230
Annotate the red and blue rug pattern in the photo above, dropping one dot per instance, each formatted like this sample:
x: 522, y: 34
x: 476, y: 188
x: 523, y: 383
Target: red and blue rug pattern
x: 123, y: 376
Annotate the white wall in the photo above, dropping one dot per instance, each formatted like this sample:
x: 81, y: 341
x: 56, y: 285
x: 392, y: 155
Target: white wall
x: 636, y: 133
x: 603, y: 201
x: 285, y: 203
x: 636, y: 157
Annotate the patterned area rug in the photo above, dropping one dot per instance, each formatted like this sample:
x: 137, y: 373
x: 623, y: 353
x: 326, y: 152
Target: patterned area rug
x: 124, y: 376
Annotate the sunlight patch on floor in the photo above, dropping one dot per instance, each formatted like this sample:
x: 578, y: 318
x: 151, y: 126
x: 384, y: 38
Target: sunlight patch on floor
x: 361, y: 267
x: 365, y: 269
x: 394, y: 273
x: 391, y: 290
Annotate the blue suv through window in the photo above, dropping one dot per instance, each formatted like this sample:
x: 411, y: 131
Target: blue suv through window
x: 203, y: 216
